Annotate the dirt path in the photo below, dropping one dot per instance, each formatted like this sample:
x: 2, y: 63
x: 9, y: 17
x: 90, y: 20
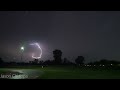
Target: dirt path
x: 22, y: 74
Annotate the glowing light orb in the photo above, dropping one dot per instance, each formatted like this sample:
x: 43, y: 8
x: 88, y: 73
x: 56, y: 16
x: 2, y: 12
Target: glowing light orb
x: 22, y: 48
x: 39, y: 49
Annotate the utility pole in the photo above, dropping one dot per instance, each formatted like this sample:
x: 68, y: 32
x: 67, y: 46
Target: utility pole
x: 22, y: 49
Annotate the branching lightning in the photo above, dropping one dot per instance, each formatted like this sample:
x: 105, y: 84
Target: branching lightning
x: 40, y: 51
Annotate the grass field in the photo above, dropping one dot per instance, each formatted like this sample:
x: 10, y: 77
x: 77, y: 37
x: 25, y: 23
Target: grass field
x: 62, y: 72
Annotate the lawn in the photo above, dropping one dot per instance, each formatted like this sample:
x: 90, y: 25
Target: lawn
x: 64, y: 72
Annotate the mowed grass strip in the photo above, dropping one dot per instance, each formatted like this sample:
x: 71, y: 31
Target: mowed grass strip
x: 70, y: 72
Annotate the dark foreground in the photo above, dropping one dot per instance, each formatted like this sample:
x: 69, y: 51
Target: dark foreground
x: 59, y: 72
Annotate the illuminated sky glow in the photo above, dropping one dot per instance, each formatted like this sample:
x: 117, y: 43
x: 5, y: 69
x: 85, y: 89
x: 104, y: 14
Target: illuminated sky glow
x: 92, y: 34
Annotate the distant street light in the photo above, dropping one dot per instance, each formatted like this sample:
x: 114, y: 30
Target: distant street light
x: 22, y: 49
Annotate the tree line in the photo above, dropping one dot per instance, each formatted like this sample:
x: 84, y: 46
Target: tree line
x: 57, y: 55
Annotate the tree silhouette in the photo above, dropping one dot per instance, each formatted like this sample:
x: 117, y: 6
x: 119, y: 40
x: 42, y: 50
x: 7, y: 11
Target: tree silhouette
x: 47, y: 62
x: 57, y: 54
x: 36, y: 61
x: 80, y: 60
x: 104, y: 61
x: 65, y: 61
x: 90, y: 63
x: 1, y: 61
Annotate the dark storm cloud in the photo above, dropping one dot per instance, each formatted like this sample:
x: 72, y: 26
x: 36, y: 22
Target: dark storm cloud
x: 93, y: 34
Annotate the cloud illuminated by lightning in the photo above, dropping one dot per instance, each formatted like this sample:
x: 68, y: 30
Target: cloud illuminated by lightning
x: 40, y: 50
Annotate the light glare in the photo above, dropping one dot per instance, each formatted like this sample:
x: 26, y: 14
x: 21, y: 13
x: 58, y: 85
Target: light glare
x: 22, y: 48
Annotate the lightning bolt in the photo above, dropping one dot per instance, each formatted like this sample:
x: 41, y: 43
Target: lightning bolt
x: 39, y: 49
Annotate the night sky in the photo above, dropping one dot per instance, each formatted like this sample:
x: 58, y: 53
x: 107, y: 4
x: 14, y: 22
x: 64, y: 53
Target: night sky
x: 93, y: 34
